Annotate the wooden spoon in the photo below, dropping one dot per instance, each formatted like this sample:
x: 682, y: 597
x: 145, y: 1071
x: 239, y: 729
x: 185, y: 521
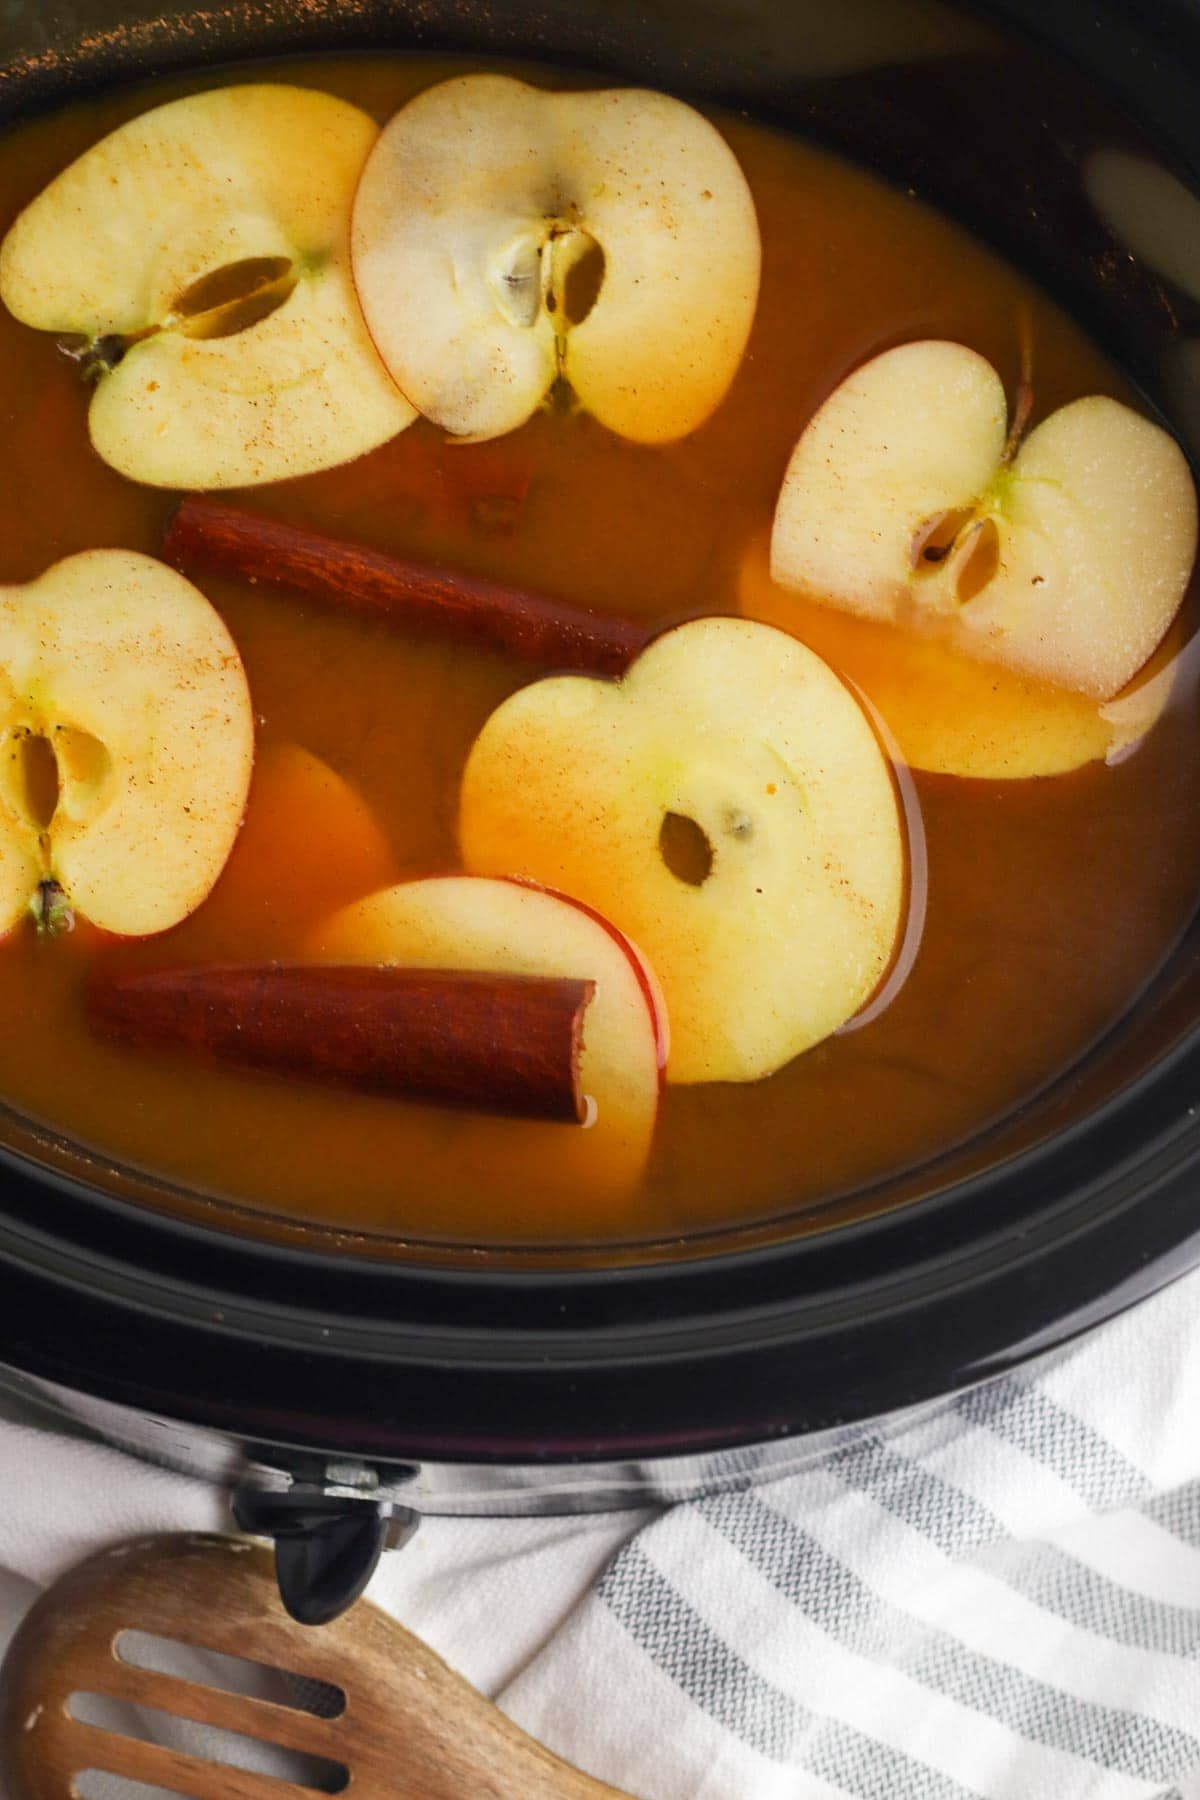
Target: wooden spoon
x: 410, y: 1728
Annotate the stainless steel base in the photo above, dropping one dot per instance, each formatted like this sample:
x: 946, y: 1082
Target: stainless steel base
x: 493, y: 1490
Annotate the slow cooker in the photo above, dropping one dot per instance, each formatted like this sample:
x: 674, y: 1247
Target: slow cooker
x: 341, y: 1387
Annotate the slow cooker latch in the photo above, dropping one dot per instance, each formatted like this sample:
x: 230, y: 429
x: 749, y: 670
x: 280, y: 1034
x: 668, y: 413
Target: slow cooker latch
x: 327, y: 1545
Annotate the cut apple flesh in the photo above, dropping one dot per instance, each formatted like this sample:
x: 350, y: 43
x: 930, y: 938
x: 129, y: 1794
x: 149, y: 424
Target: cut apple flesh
x: 198, y: 259
x: 505, y: 237
x: 951, y: 714
x: 126, y: 743
x: 728, y: 805
x: 508, y: 928
x: 1065, y: 561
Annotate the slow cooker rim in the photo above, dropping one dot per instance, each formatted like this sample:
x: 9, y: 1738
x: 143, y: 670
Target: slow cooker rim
x: 742, y: 1385
x: 1168, y: 1239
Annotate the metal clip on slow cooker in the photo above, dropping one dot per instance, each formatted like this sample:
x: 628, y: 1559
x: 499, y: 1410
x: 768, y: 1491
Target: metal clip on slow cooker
x: 328, y: 1537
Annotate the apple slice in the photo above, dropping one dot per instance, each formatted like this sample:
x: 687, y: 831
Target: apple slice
x: 200, y: 257
x: 309, y: 843
x: 1064, y: 560
x: 726, y: 804
x: 952, y: 714
x: 504, y: 237
x: 126, y: 744
x: 506, y: 927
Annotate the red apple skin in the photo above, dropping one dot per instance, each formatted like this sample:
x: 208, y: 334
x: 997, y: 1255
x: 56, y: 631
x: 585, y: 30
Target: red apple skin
x: 656, y: 1000
x: 647, y: 980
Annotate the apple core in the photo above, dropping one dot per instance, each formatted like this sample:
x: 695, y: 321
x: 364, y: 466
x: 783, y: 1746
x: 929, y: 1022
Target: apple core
x: 221, y: 303
x: 33, y: 781
x: 685, y: 849
x: 557, y: 273
x: 962, y: 541
x: 233, y: 297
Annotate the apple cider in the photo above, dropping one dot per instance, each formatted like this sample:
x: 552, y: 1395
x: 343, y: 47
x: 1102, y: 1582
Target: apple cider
x: 1023, y: 845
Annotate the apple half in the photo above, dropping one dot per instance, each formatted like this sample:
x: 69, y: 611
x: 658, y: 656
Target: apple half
x: 505, y: 237
x: 1064, y: 558
x: 728, y: 805
x: 126, y: 744
x: 199, y: 258
x: 951, y: 714
x: 506, y: 927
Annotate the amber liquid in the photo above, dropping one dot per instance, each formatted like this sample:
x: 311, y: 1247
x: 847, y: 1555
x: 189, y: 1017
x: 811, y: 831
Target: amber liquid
x: 1050, y: 903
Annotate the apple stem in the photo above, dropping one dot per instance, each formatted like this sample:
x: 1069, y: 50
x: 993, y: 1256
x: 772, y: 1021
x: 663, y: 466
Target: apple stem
x: 1023, y: 395
x: 52, y: 912
x: 100, y: 355
x: 572, y: 275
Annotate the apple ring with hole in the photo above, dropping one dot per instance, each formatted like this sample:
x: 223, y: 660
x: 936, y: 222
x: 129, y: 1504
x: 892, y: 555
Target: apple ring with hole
x: 507, y: 927
x: 728, y: 805
x: 951, y: 714
x: 505, y: 238
x: 126, y: 745
x: 198, y: 259
x: 1063, y: 558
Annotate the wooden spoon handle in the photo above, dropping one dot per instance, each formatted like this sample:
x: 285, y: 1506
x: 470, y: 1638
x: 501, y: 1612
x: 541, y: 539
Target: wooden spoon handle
x: 456, y: 1743
x: 410, y: 1726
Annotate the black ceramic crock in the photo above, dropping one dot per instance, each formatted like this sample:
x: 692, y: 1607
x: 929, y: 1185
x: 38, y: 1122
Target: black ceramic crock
x: 341, y: 1392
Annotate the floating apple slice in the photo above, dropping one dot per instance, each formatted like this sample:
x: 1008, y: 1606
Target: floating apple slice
x: 951, y: 714
x: 504, y: 237
x: 199, y: 256
x: 1065, y: 561
x: 309, y: 843
x: 126, y: 743
x: 726, y: 804
x: 505, y: 927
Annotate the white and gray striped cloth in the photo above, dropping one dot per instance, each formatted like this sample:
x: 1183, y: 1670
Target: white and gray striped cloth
x: 999, y: 1600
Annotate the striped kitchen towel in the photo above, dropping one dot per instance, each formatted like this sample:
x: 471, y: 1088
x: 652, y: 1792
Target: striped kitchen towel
x: 999, y: 1599
x: 1002, y: 1600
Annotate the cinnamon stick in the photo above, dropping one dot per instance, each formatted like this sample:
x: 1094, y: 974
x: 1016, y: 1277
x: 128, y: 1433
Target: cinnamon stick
x: 205, y: 534
x: 494, y: 1043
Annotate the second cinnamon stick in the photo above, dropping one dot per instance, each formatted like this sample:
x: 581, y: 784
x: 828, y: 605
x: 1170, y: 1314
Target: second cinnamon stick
x: 495, y: 1043
x: 206, y: 534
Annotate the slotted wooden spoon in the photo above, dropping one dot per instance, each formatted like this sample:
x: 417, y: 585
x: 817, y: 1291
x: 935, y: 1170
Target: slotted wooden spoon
x: 411, y: 1729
